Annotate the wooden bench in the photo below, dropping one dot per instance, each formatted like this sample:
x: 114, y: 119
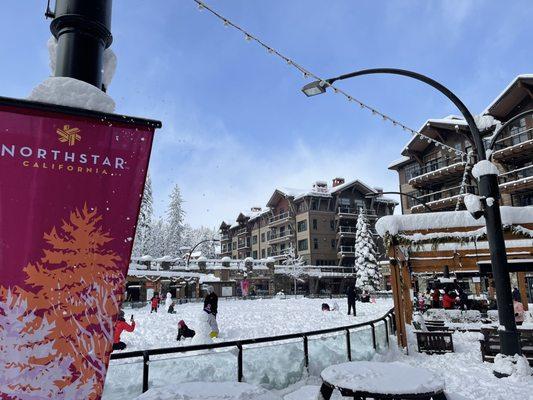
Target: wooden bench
x: 490, y: 344
x: 435, y: 340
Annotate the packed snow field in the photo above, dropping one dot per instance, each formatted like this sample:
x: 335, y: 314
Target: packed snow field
x: 244, y: 319
x: 274, y: 366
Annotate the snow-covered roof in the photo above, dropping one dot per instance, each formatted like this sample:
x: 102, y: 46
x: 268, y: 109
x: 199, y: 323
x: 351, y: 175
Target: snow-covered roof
x: 399, y: 161
x: 146, y: 258
x: 163, y: 274
x: 208, y: 278
x: 164, y: 259
x: 448, y: 219
x: 504, y: 91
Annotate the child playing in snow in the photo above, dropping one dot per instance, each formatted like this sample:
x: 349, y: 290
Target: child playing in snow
x: 121, y: 325
x: 184, y: 331
x: 155, y: 303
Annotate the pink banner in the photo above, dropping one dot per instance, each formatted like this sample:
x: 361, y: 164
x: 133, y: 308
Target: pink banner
x: 70, y: 191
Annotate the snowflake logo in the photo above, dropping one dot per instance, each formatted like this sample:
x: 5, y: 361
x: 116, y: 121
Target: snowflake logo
x: 68, y: 135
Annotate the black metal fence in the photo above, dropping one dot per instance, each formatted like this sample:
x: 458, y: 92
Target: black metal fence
x: 388, y: 320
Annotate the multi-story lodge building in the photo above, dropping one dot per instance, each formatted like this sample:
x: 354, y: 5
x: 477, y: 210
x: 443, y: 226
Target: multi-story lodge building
x: 434, y: 175
x: 319, y: 223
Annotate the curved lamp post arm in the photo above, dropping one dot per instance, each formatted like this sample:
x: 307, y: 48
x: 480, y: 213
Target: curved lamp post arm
x: 474, y: 131
x: 402, y: 194
x: 500, y: 131
x: 196, y: 245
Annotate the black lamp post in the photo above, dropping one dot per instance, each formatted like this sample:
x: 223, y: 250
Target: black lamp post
x: 488, y: 188
x: 189, y: 259
x: 371, y: 195
x: 83, y: 31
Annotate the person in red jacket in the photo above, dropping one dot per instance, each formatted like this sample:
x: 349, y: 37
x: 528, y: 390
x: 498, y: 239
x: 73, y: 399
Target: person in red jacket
x: 448, y: 300
x: 155, y: 303
x: 121, y: 325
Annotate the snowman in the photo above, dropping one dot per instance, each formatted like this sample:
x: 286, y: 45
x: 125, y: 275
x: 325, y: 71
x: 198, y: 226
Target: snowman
x: 168, y: 301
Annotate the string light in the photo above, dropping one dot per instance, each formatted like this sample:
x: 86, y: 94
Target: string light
x: 307, y: 74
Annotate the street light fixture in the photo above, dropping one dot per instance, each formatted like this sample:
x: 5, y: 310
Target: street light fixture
x: 314, y: 88
x: 195, y: 246
x: 488, y: 188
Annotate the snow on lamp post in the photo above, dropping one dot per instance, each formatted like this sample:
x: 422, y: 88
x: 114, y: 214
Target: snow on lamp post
x: 489, y: 191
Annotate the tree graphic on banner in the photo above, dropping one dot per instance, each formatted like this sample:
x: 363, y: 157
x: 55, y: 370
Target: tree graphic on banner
x: 366, y: 265
x: 76, y: 290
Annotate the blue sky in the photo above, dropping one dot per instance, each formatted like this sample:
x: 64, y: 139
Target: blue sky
x: 235, y: 122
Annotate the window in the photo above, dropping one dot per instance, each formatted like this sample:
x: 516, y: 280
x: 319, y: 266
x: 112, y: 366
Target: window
x: 302, y: 225
x: 234, y: 245
x: 254, y: 239
x: 333, y: 244
x: 302, y: 245
x: 315, y: 224
x: 344, y: 201
x: 282, y: 248
x: 332, y: 224
x: 254, y: 254
x: 315, y: 243
x: 268, y: 235
x: 263, y: 253
x: 313, y: 204
x: 411, y: 171
x: 263, y: 237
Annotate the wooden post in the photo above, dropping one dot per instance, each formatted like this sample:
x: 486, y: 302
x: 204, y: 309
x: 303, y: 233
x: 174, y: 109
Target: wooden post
x: 406, y: 289
x: 521, y: 277
x: 398, y: 303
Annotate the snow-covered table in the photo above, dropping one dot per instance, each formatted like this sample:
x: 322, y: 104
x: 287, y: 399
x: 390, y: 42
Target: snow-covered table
x: 381, y: 380
x: 209, y: 391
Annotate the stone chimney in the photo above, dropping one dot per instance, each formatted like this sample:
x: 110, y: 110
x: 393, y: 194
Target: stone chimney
x: 338, y: 181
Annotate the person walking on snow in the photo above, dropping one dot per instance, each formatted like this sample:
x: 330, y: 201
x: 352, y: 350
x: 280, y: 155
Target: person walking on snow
x: 120, y: 326
x: 351, y: 295
x: 518, y: 308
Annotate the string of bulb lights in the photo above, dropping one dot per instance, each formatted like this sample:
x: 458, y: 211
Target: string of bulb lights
x: 308, y: 74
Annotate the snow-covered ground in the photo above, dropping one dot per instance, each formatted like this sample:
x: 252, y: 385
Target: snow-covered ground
x: 275, y: 366
x: 466, y: 376
x: 244, y: 319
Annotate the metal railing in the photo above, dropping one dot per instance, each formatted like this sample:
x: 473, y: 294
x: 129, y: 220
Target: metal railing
x: 243, y: 245
x: 514, y: 139
x: 434, y: 165
x: 348, y: 229
x: 280, y: 235
x: 278, y: 217
x: 355, y: 211
x: 388, y: 320
x: 347, y: 249
x: 441, y: 194
x: 515, y: 175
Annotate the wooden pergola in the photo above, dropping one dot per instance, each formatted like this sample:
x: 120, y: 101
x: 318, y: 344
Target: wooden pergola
x: 455, y: 242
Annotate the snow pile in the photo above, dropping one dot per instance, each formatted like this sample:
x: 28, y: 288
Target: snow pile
x: 472, y: 203
x: 484, y: 167
x: 202, y: 329
x: 385, y: 378
x: 73, y: 93
x: 516, y: 366
x: 52, y: 52
x: 366, y: 263
x: 110, y: 66
x: 448, y: 219
x: 209, y: 391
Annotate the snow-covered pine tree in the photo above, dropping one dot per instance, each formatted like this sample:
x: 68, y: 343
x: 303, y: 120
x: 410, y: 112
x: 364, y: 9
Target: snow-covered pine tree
x: 175, y: 215
x: 294, y: 266
x: 366, y: 265
x: 144, y: 224
x: 158, y: 240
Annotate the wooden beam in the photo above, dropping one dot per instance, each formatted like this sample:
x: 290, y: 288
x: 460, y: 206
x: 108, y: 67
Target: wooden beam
x: 521, y: 277
x: 401, y: 333
x: 406, y: 293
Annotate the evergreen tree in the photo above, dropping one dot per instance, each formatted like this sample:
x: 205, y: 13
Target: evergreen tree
x: 175, y: 229
x: 157, y: 241
x: 366, y: 264
x: 144, y: 224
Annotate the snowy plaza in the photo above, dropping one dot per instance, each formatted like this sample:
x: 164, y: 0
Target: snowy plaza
x: 266, y: 200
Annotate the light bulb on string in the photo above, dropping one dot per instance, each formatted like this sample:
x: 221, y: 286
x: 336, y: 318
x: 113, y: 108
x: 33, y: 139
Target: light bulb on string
x: 270, y: 51
x: 200, y: 7
x: 247, y: 37
x: 226, y: 23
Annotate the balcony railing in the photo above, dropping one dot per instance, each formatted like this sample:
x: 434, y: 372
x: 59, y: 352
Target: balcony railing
x: 280, y: 236
x: 514, y: 139
x: 278, y: 218
x: 350, y: 230
x: 347, y: 249
x: 243, y: 245
x: 517, y: 174
x: 439, y: 199
x: 224, y: 237
x: 354, y: 211
x: 242, y: 231
x: 434, y: 165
